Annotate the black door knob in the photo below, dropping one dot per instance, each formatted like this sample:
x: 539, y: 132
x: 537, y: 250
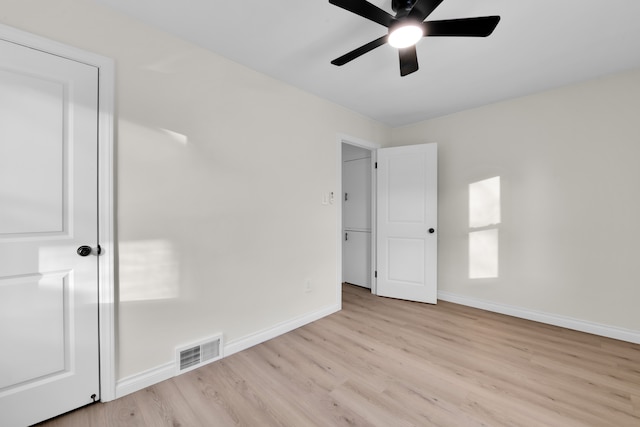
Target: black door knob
x: 84, y: 250
x: 431, y: 231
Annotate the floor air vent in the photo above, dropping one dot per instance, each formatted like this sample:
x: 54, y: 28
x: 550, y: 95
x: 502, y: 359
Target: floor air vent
x: 198, y: 354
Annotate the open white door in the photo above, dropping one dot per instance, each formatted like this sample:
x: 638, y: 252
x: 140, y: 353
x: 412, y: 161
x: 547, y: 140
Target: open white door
x: 407, y: 209
x: 49, y: 362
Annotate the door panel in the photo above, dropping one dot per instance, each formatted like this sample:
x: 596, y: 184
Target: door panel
x: 32, y: 301
x: 407, y: 211
x: 406, y: 189
x: 356, y: 263
x: 356, y: 178
x: 406, y: 260
x: 35, y: 150
x: 48, y: 208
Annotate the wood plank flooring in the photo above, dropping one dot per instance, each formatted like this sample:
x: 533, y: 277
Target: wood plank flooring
x: 385, y: 362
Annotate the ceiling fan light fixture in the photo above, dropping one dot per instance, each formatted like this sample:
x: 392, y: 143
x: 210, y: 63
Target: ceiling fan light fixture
x: 405, y: 35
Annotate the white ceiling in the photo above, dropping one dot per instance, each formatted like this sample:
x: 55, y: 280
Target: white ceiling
x: 538, y: 45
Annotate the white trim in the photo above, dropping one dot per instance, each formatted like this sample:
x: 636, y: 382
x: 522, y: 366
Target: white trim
x: 106, y: 230
x: 106, y: 279
x: 164, y: 372
x: 373, y: 147
x: 548, y: 318
x: 145, y: 379
x: 351, y: 140
x: 237, y: 345
x: 338, y: 201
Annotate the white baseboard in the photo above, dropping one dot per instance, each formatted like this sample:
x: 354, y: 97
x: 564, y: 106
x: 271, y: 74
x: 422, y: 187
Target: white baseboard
x: 163, y: 372
x: 548, y: 318
x: 145, y: 379
x: 235, y: 346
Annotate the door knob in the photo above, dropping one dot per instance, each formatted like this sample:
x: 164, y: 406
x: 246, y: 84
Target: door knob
x: 84, y: 250
x: 432, y: 230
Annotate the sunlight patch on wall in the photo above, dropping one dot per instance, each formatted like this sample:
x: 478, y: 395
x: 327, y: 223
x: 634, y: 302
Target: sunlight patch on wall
x: 484, y: 202
x: 483, y: 254
x: 149, y: 270
x: 175, y: 136
x: 484, y: 218
x: 150, y: 134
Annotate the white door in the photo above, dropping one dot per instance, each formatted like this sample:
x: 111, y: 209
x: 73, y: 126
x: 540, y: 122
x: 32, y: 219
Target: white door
x: 407, y: 222
x: 48, y: 209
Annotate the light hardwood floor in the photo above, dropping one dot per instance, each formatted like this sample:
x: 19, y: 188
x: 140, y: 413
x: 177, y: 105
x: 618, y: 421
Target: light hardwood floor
x: 385, y: 362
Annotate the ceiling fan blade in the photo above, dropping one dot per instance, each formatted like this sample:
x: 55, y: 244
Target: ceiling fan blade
x: 360, y: 51
x: 423, y: 8
x: 408, y: 60
x: 366, y: 10
x: 464, y: 27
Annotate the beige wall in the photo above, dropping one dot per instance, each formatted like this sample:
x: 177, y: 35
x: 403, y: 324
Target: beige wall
x: 220, y: 172
x: 220, y: 175
x: 570, y: 232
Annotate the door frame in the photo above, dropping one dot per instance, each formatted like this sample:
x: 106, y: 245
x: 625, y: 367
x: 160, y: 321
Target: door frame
x: 373, y: 147
x: 106, y: 189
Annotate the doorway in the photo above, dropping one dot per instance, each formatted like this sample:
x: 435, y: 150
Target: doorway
x: 356, y: 216
x: 391, y: 247
x: 357, y: 219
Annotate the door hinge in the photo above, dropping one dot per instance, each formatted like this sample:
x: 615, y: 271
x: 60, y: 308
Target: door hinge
x: 375, y: 274
x: 98, y: 250
x: 376, y: 165
x: 346, y: 236
x: 346, y: 197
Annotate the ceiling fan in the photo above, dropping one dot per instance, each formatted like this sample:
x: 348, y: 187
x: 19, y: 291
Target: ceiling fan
x: 406, y: 28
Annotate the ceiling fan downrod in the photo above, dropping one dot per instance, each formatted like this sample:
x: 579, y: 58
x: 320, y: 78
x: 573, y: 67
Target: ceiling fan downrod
x: 406, y: 5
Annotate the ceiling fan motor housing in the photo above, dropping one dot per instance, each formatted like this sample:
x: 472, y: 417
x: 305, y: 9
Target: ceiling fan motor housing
x: 402, y: 7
